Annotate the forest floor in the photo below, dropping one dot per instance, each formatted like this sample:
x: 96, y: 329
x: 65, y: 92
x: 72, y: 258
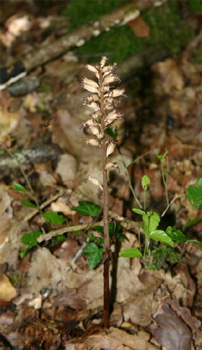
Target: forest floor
x: 51, y: 293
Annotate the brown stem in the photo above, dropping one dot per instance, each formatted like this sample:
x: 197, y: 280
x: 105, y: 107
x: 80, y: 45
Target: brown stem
x: 105, y: 209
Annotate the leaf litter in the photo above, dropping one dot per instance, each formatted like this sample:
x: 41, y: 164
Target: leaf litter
x: 51, y: 300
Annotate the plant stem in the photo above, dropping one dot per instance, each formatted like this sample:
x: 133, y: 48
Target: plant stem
x: 105, y: 208
x: 31, y: 194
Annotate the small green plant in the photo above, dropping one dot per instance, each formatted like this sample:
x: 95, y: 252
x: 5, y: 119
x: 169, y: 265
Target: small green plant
x: 29, y: 239
x: 157, y: 257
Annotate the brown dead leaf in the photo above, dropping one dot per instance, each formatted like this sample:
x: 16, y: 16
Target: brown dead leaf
x: 139, y: 310
x: 185, y: 314
x: 119, y: 339
x: 139, y: 27
x: 7, y: 291
x: 67, y: 169
x: 168, y: 76
x: 9, y: 113
x: 169, y: 330
x: 61, y: 207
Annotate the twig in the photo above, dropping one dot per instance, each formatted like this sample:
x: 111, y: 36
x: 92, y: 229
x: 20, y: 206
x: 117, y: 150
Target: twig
x: 174, y: 198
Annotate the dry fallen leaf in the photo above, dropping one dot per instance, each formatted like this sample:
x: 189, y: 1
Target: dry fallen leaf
x: 169, y: 330
x: 7, y: 291
x: 139, y: 27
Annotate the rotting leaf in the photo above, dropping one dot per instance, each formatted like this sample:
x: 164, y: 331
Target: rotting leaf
x: 139, y: 27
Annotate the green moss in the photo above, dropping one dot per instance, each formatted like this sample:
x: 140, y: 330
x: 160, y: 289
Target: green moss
x: 83, y: 11
x: 118, y: 44
x: 166, y: 28
x: 197, y: 56
x: 195, y: 5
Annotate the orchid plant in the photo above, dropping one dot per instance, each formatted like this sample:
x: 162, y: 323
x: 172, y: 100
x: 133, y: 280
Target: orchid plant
x: 103, y: 100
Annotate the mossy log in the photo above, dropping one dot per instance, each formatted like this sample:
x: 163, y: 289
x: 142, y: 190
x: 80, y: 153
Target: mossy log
x: 83, y: 34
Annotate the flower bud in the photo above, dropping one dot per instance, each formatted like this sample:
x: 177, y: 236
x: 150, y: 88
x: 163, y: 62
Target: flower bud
x: 94, y: 130
x: 111, y: 78
x: 89, y: 122
x: 95, y: 182
x: 111, y: 117
x: 90, y: 82
x: 91, y: 68
x: 93, y: 105
x: 92, y: 98
x: 92, y: 142
x: 115, y: 93
x: 109, y: 107
x: 103, y: 61
x: 90, y: 88
x: 109, y: 68
x: 110, y: 165
x: 96, y: 115
x: 110, y: 148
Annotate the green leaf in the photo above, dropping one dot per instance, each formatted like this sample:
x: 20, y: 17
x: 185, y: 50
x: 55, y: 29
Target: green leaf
x: 161, y: 236
x: 57, y: 239
x: 194, y: 194
x: 19, y: 187
x: 30, y: 238
x: 86, y: 208
x: 150, y: 221
x: 54, y: 218
x: 161, y: 157
x: 145, y: 182
x: 138, y: 211
x: 94, y: 255
x: 111, y: 132
x: 152, y: 267
x: 131, y: 253
x: 28, y: 203
x: 24, y: 251
x: 113, y: 229
x: 200, y: 245
x: 192, y: 222
x: 176, y: 235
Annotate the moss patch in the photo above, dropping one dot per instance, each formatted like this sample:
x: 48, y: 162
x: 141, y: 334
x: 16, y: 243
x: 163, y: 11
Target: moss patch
x: 166, y: 28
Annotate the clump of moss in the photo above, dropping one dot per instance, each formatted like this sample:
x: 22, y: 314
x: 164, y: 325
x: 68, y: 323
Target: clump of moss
x: 166, y: 28
x: 164, y: 255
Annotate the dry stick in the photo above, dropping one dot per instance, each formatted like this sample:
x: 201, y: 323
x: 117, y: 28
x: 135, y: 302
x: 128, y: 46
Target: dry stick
x: 105, y: 208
